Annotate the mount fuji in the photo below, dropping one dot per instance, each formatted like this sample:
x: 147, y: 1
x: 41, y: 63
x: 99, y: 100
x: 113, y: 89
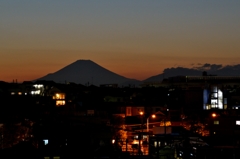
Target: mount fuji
x: 88, y: 72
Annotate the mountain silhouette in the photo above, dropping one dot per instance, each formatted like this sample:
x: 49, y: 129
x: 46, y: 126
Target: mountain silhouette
x: 211, y: 69
x: 171, y: 72
x: 87, y: 72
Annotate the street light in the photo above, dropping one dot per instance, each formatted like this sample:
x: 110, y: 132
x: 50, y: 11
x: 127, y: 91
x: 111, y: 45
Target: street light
x: 140, y: 135
x: 214, y: 115
x: 153, y: 116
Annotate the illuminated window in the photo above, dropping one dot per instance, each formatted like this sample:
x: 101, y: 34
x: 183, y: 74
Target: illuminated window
x: 38, y: 86
x: 45, y: 141
x: 59, y: 96
x: 135, y: 137
x: 46, y: 157
x: 60, y: 102
x: 207, y: 106
x: 129, y: 111
x: 214, y: 103
x: 56, y: 157
x: 225, y: 100
x: 216, y: 122
x: 35, y: 92
x: 214, y: 95
x: 155, y: 143
x: 166, y: 123
x: 220, y: 99
x: 12, y: 93
x: 225, y: 106
x: 238, y: 122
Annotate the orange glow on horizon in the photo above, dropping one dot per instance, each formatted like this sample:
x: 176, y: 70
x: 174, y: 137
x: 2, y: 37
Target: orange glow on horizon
x: 29, y: 67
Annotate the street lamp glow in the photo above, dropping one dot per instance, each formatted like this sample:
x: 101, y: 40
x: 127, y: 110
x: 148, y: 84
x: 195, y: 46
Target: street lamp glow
x: 152, y: 116
x: 141, y: 113
x: 113, y: 141
x: 214, y: 115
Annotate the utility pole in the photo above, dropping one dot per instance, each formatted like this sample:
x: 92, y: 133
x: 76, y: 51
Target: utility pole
x: 1, y: 126
x: 140, y: 134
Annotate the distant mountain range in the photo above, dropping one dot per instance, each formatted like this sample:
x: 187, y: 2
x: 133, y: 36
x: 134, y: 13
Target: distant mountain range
x: 211, y: 69
x: 87, y: 72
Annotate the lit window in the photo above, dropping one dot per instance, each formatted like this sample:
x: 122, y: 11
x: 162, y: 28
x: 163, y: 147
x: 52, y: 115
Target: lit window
x: 60, y: 102
x: 45, y: 141
x: 135, y: 137
x: 155, y: 143
x: 225, y: 106
x: 56, y: 157
x: 113, y: 141
x: 216, y: 122
x: 35, y: 92
x: 238, y: 122
x: 59, y: 96
x: 38, y: 85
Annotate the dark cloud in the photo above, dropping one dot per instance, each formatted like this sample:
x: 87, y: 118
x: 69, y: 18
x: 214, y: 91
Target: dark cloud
x: 181, y: 71
x: 234, y: 67
x: 198, y: 64
x: 208, y: 67
x: 213, y: 69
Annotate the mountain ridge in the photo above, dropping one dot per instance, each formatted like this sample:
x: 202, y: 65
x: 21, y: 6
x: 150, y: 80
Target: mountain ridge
x: 87, y: 72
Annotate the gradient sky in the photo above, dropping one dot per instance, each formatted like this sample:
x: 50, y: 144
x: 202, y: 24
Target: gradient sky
x: 136, y: 38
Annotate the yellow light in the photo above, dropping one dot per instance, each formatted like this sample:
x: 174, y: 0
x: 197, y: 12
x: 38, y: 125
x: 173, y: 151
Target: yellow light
x: 153, y: 116
x: 113, y: 141
x: 136, y: 142
x: 214, y: 115
x: 165, y: 123
x: 141, y: 113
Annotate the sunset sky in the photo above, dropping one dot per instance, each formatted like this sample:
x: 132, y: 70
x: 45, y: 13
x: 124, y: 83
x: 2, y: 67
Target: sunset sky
x: 133, y: 38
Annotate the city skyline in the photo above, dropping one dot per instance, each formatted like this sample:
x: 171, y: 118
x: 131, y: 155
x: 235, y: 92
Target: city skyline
x: 136, y: 39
